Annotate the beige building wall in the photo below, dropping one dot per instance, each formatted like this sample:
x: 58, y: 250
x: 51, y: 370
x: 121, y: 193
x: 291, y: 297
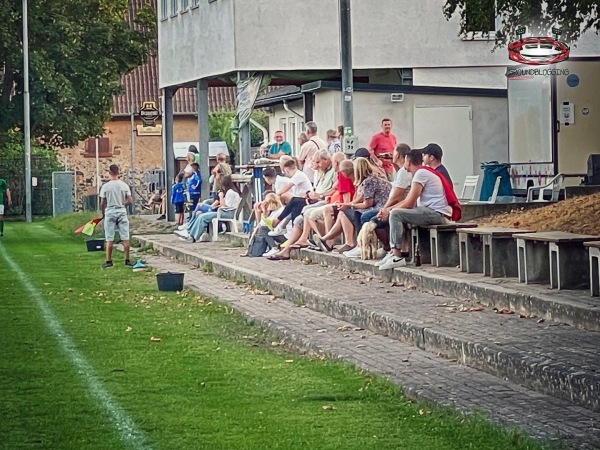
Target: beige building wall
x: 577, y: 141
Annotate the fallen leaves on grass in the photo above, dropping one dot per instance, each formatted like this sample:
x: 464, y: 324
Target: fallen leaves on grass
x: 155, y: 339
x: 328, y: 407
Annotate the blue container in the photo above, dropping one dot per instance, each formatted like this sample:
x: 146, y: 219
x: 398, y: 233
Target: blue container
x: 170, y: 281
x: 491, y: 171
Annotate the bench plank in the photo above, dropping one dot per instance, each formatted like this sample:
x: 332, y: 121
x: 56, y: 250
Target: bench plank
x: 558, y: 237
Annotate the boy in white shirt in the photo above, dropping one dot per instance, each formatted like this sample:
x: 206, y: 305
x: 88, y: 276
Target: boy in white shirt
x: 298, y: 186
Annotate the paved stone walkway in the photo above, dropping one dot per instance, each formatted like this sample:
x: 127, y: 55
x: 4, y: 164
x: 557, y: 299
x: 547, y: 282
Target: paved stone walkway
x: 422, y: 374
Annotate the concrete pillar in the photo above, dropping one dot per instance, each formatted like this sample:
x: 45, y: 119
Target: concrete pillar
x: 169, y: 155
x: 204, y: 135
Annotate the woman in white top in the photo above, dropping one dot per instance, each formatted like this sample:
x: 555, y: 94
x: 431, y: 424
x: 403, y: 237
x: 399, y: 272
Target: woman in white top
x: 228, y: 201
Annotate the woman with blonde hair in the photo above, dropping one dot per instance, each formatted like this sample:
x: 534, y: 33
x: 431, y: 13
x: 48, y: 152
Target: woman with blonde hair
x: 371, y: 194
x: 261, y: 244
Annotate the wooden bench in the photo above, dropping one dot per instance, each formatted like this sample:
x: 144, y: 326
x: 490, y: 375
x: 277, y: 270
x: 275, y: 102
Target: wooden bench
x: 489, y: 250
x: 554, y: 257
x: 594, y: 252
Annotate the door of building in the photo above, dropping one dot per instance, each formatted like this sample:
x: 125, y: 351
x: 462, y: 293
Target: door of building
x: 451, y: 128
x: 62, y: 192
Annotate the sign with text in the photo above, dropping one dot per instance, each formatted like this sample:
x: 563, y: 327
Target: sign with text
x: 149, y: 113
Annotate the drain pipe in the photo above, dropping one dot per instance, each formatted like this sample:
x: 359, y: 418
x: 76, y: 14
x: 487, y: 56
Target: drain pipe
x: 288, y: 109
x: 264, y: 131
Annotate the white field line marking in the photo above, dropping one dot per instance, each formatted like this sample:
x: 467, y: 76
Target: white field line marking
x: 125, y: 425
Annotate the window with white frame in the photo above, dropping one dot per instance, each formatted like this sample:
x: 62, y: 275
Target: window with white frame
x: 174, y: 7
x: 164, y: 12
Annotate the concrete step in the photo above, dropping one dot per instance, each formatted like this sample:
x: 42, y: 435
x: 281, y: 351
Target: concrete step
x: 575, y: 308
x: 554, y: 359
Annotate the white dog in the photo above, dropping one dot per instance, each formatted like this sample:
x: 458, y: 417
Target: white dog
x: 367, y: 241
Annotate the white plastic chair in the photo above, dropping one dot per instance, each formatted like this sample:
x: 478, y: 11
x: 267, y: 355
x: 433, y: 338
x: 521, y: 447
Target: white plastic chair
x: 554, y: 186
x: 471, y: 182
x: 234, y: 222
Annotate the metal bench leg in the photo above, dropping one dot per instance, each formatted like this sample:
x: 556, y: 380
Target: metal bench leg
x: 594, y: 272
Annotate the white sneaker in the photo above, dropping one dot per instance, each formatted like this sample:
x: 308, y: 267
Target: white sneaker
x: 189, y: 239
x: 392, y: 263
x: 183, y: 227
x: 205, y: 237
x: 271, y: 252
x: 183, y: 233
x: 277, y: 232
x: 385, y: 259
x: 354, y: 253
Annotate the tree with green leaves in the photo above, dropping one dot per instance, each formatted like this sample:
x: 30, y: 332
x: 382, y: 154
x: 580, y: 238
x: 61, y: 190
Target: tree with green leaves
x: 78, y: 52
x: 573, y: 17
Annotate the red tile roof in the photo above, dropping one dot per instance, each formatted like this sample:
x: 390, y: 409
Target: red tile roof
x: 142, y: 85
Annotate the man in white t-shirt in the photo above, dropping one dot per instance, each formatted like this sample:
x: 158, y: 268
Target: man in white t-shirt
x: 115, y: 195
x: 299, y: 186
x: 309, y: 148
x: 400, y: 188
x: 426, y: 204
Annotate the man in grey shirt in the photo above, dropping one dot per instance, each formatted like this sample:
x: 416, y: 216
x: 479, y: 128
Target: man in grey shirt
x: 114, y: 197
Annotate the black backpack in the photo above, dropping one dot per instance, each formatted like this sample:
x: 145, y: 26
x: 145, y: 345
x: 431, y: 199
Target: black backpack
x: 258, y: 246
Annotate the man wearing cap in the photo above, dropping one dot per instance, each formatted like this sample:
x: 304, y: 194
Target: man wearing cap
x: 280, y: 147
x: 432, y: 157
x: 382, y: 146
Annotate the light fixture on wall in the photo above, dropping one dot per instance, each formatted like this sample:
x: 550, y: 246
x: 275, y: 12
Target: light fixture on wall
x: 396, y: 98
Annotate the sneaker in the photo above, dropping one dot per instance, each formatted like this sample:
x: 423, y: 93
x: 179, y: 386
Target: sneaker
x: 139, y: 265
x: 271, y: 252
x: 205, y: 237
x: 183, y: 227
x: 190, y: 239
x: 183, y: 233
x: 385, y: 259
x: 277, y: 231
x: 107, y: 264
x: 162, y: 217
x: 128, y: 263
x: 354, y: 253
x: 392, y: 263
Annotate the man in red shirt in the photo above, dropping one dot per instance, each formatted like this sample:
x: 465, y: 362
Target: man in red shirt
x: 382, y: 146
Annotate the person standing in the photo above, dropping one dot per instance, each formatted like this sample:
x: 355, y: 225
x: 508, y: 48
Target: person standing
x: 114, y: 197
x: 194, y: 187
x: 334, y: 145
x: 4, y: 191
x: 178, y: 198
x: 382, y: 146
x: 280, y: 147
x: 308, y: 150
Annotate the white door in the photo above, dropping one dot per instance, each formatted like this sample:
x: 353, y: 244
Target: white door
x: 451, y: 128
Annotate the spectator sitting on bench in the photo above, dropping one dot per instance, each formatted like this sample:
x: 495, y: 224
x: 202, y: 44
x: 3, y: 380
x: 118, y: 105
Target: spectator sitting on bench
x: 371, y: 194
x: 298, y: 186
x: 432, y: 157
x: 426, y: 204
x: 229, y: 200
x: 313, y: 215
x: 400, y: 187
x: 277, y: 182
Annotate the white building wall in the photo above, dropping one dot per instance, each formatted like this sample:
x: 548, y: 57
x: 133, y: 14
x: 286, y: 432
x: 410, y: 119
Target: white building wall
x: 465, y: 77
x: 490, y: 119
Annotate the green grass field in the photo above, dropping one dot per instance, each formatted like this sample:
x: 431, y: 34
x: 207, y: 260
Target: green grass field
x: 99, y: 359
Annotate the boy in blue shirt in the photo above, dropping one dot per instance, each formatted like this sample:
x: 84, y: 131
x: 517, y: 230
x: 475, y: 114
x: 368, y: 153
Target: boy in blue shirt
x: 178, y: 199
x: 194, y: 186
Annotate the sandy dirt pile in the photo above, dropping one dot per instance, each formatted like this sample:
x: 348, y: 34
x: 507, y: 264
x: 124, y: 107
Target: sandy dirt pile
x: 577, y: 215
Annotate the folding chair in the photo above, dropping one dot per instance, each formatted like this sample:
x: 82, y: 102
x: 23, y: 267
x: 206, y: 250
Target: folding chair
x: 470, y: 187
